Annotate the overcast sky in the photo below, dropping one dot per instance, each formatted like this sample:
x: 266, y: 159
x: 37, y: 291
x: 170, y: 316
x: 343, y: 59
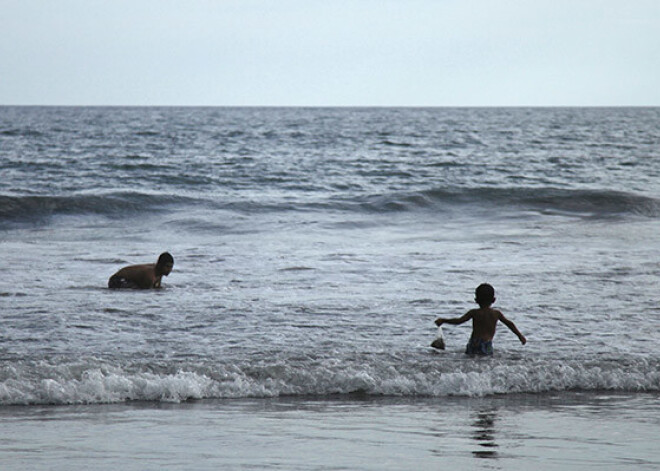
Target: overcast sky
x: 332, y: 52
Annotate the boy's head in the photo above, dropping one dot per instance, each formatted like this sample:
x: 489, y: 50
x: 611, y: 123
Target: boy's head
x: 165, y: 263
x: 484, y: 295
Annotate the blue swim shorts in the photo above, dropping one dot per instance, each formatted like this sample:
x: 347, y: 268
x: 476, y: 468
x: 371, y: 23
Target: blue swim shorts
x: 479, y: 347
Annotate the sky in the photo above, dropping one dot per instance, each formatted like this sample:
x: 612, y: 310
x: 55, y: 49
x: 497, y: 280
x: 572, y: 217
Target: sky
x: 330, y: 52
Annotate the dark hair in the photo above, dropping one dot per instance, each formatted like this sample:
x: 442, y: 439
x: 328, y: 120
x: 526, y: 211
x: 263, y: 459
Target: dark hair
x: 165, y: 259
x: 484, y: 295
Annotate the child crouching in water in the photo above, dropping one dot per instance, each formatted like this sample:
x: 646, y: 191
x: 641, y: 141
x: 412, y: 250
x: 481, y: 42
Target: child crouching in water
x: 484, y: 321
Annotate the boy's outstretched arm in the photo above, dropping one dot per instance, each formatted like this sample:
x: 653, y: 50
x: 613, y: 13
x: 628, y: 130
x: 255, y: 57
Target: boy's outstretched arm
x: 512, y: 327
x: 454, y: 320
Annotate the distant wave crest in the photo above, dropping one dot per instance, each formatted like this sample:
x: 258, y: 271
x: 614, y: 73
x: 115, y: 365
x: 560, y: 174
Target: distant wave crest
x: 580, y: 203
x: 39, y: 208
x: 587, y: 203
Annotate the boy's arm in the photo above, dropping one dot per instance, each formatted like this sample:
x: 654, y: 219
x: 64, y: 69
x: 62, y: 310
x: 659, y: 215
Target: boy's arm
x: 512, y: 327
x: 454, y: 320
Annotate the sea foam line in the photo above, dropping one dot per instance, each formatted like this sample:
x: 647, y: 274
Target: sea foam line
x: 79, y: 384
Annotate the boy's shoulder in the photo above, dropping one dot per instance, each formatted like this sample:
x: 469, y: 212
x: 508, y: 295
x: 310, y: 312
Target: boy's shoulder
x: 141, y: 268
x: 486, y: 311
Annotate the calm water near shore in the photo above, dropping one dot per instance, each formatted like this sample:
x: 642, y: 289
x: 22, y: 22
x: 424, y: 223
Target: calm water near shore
x: 561, y: 431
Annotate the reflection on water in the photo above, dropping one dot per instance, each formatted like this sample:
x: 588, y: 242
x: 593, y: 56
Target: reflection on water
x: 484, y: 434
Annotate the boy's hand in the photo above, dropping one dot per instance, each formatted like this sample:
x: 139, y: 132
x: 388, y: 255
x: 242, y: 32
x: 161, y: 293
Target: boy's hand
x: 439, y: 321
x: 523, y: 340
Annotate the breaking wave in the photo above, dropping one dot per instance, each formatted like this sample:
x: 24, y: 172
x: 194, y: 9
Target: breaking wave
x: 94, y: 381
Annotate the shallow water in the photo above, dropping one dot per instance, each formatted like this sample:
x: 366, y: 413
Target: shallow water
x: 551, y: 431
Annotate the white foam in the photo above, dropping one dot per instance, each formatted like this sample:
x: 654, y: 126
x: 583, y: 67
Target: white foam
x: 79, y: 383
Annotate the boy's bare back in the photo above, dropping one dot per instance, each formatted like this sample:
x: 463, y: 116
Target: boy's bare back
x: 484, y: 322
x: 141, y: 276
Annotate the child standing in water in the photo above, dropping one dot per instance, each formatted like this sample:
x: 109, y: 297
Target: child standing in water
x: 484, y: 321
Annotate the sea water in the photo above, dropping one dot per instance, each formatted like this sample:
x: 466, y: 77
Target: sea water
x: 314, y: 247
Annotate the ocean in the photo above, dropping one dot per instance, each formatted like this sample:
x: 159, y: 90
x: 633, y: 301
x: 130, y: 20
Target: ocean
x: 313, y: 249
